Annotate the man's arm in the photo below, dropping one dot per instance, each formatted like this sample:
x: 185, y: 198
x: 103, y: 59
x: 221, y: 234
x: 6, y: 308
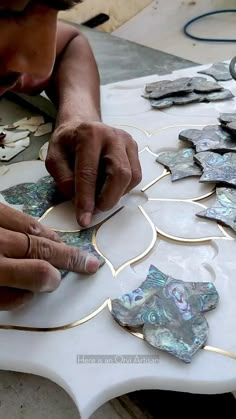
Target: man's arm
x: 74, y: 86
x: 89, y: 160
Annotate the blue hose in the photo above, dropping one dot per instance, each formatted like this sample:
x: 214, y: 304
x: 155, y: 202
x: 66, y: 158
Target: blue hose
x: 198, y: 38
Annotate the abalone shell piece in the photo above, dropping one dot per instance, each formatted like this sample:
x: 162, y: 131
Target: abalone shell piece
x: 228, y: 122
x: 226, y: 118
x: 231, y: 127
x: 202, y: 85
x: 172, y: 89
x: 219, y: 71
x: 169, y: 311
x: 178, y: 83
x: 224, y: 94
x: 210, y: 138
x: 182, y: 91
x: 217, y: 168
x: 35, y: 198
x: 180, y: 163
x: 162, y: 103
x: 175, y: 100
x: 224, y: 208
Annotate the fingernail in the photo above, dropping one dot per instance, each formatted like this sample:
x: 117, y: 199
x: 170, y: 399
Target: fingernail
x: 85, y: 219
x: 91, y: 264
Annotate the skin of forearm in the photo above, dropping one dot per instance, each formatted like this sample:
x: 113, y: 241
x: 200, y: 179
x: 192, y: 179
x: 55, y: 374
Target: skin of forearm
x: 75, y: 84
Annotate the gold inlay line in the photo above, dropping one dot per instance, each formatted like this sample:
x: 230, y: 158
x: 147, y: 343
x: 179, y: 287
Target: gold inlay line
x: 135, y: 127
x: 219, y: 351
x: 186, y: 240
x: 164, y: 174
x: 115, y: 272
x: 206, y: 348
x: 177, y: 126
x: 55, y: 328
x: 149, y: 151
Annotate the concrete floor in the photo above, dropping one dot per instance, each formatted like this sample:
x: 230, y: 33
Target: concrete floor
x: 160, y: 26
x: 119, y: 11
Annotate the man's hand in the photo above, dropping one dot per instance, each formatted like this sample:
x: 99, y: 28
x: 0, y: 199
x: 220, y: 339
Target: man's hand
x: 95, y: 163
x: 29, y: 257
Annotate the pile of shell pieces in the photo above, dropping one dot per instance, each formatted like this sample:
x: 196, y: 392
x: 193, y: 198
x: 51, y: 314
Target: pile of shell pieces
x: 14, y: 138
x: 165, y: 93
x: 212, y: 157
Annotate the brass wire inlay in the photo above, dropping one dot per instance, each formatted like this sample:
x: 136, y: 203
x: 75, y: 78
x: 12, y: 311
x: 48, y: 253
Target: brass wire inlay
x: 55, y: 229
x: 153, y: 182
x: 178, y: 126
x: 115, y: 272
x: 226, y: 236
x: 55, y: 328
x: 206, y: 348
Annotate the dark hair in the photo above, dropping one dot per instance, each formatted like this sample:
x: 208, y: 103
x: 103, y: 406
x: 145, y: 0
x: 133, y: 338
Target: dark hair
x: 60, y: 4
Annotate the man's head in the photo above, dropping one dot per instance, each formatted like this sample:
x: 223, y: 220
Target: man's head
x: 28, y: 38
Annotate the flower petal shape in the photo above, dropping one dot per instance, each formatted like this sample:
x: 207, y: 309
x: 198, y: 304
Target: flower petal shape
x: 224, y: 209
x: 164, y: 214
x: 169, y: 312
x: 188, y: 188
x: 139, y: 135
x: 62, y: 217
x: 217, y: 168
x: 151, y: 170
x: 126, y: 237
x: 210, y: 138
x: 180, y: 163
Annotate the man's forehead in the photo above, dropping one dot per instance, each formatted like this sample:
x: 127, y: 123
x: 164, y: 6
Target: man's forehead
x: 13, y: 4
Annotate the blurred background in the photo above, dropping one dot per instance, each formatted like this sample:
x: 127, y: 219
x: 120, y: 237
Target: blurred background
x: 159, y: 24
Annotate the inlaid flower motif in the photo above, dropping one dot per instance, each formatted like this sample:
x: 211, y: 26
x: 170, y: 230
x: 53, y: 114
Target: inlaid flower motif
x: 169, y: 312
x: 141, y: 227
x: 142, y: 216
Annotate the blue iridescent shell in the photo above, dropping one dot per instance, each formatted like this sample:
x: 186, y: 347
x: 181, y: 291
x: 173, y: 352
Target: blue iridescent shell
x: 224, y: 209
x: 169, y: 311
x: 35, y: 198
x: 180, y: 163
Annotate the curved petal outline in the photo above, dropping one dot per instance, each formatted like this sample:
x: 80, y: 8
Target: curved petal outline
x: 81, y: 229
x: 176, y: 126
x: 165, y: 171
x: 54, y: 229
x: 56, y: 328
x: 153, y: 182
x: 115, y: 272
x: 184, y: 240
x: 151, y: 133
x: 148, y: 134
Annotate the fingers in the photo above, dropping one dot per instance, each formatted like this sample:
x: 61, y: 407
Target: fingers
x: 58, y: 165
x: 20, y: 246
x: 118, y: 178
x: 86, y: 174
x: 132, y: 153
x: 14, y: 220
x: 62, y: 256
x: 11, y: 298
x: 123, y: 174
x: 32, y: 275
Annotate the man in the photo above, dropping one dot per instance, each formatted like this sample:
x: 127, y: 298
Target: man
x: 91, y: 162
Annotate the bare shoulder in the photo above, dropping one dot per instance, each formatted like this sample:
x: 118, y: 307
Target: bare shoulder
x: 65, y: 34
